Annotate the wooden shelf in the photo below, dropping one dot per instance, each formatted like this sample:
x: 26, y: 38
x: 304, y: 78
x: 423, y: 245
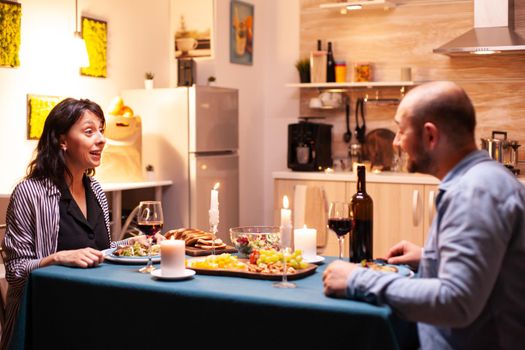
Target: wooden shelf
x: 368, y: 84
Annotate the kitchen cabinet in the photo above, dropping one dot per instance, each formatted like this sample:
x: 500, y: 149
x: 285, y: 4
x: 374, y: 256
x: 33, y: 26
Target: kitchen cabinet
x: 401, y: 212
x: 333, y: 190
x: 403, y: 203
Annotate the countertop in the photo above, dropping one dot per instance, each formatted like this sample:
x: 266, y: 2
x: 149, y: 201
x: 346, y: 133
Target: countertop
x: 5, y: 191
x: 383, y: 177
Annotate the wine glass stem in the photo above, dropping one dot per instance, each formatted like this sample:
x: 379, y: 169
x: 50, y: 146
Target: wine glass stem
x: 150, y: 240
x: 341, y: 240
x: 285, y: 277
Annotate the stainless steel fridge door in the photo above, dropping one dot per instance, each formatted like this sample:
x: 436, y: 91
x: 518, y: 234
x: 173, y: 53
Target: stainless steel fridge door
x: 205, y: 171
x: 213, y: 119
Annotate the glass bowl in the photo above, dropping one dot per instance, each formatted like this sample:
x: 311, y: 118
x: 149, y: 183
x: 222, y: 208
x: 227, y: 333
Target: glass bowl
x: 247, y: 238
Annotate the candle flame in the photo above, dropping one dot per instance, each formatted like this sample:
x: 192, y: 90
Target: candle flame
x: 216, y: 187
x: 285, y: 202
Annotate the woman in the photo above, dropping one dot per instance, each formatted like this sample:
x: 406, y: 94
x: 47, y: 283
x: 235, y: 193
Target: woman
x: 58, y: 214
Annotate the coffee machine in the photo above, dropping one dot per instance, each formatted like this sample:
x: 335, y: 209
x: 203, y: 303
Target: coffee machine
x: 309, y: 146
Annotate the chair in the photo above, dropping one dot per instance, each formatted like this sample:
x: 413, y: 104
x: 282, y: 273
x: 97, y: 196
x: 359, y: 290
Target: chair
x: 3, y: 281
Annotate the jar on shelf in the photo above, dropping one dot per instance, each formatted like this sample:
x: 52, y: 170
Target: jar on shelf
x: 340, y: 71
x: 363, y: 72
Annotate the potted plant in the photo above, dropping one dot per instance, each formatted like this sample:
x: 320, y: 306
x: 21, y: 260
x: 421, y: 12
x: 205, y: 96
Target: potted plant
x: 303, y: 67
x: 150, y: 173
x: 211, y: 80
x: 148, y: 82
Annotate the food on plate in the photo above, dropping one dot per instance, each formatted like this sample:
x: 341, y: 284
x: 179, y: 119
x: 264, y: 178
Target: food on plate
x: 261, y: 261
x: 378, y: 266
x: 196, y: 238
x: 136, y: 249
x: 213, y: 262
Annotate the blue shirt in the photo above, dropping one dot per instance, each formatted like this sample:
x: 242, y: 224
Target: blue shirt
x: 470, y: 293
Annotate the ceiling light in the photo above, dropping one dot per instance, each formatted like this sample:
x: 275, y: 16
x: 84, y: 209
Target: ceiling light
x: 79, y: 45
x: 354, y: 7
x: 484, y: 52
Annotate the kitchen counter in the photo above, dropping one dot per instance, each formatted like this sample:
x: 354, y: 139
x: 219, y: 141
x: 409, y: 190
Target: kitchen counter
x: 384, y: 177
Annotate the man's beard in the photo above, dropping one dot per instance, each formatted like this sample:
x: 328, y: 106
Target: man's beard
x: 420, y: 162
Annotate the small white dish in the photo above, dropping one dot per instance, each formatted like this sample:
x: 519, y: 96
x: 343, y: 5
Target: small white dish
x: 316, y: 260
x: 158, y: 274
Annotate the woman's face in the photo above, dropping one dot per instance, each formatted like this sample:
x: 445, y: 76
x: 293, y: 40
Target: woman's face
x: 83, y: 143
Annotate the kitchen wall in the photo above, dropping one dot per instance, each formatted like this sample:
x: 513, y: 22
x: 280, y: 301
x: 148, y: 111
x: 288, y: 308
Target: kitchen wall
x: 405, y: 36
x: 140, y: 39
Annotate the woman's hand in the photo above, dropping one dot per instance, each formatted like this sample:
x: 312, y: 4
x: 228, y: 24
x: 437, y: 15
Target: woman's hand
x: 335, y: 278
x: 85, y: 257
x: 405, y: 252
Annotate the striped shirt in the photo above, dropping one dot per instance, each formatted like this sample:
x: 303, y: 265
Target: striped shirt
x: 32, y: 220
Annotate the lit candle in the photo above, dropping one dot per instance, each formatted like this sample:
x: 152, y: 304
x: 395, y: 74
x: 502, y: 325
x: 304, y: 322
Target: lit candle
x: 214, y: 205
x: 305, y: 239
x: 286, y: 224
x: 172, y: 253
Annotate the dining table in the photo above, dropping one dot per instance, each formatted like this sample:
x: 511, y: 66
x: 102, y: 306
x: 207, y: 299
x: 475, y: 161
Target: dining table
x: 113, y: 306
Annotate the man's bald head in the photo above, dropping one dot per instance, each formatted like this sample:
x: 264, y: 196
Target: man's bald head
x: 446, y: 105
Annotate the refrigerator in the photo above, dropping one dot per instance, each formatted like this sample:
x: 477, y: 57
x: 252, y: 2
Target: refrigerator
x: 190, y: 135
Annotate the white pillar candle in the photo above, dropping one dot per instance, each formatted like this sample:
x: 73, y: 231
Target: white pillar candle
x: 172, y: 253
x: 305, y: 239
x: 286, y: 224
x: 214, y: 205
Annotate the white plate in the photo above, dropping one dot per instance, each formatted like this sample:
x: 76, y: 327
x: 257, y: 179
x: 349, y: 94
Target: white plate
x: 158, y: 274
x: 108, y: 255
x: 317, y: 259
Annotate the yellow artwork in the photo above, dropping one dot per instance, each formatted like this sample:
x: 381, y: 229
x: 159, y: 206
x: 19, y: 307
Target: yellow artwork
x: 95, y: 35
x: 10, y: 18
x: 38, y: 108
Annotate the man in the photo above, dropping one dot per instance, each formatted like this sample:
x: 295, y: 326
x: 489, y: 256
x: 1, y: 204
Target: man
x: 470, y: 290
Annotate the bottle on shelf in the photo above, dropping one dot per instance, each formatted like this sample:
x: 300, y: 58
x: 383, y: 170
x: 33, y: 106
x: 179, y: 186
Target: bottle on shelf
x: 318, y: 65
x: 361, y: 238
x: 330, y: 65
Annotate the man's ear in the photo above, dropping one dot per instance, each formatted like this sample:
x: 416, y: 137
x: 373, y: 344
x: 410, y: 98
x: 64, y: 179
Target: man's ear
x: 430, y: 135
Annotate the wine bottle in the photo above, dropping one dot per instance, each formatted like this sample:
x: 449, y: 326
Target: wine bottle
x: 361, y: 239
x: 330, y: 65
x: 318, y: 65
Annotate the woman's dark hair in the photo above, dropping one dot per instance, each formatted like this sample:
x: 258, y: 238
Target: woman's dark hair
x: 49, y: 161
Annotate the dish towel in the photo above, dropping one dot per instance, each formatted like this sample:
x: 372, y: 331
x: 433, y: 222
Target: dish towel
x: 310, y: 209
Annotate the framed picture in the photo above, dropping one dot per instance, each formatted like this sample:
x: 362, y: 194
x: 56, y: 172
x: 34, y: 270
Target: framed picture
x: 10, y: 19
x: 95, y: 34
x: 193, y: 23
x: 241, y: 32
x: 38, y: 108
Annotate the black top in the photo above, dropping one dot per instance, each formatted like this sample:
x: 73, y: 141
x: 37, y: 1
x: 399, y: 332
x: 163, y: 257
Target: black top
x: 75, y: 230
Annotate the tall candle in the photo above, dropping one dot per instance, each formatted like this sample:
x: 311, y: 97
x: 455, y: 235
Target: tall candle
x: 286, y: 224
x: 172, y: 253
x: 214, y: 205
x: 305, y: 239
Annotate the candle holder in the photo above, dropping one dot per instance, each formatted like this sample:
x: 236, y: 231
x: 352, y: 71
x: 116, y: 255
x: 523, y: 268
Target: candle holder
x: 213, y: 230
x: 214, y: 223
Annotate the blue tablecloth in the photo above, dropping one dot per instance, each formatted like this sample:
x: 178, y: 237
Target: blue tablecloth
x: 114, y: 306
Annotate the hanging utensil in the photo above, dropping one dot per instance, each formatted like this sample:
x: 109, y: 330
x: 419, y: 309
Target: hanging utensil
x: 360, y: 111
x: 347, y: 137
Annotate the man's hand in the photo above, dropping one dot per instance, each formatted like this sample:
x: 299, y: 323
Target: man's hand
x: 335, y: 278
x: 405, y: 252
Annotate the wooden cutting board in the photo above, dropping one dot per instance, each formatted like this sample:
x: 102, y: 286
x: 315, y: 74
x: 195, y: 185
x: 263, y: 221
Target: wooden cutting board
x: 309, y: 270
x: 193, y: 251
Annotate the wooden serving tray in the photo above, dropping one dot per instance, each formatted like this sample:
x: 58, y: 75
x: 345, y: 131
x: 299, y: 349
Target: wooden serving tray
x: 193, y: 251
x: 309, y: 270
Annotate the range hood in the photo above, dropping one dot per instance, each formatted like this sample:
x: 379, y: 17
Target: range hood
x: 493, y: 32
